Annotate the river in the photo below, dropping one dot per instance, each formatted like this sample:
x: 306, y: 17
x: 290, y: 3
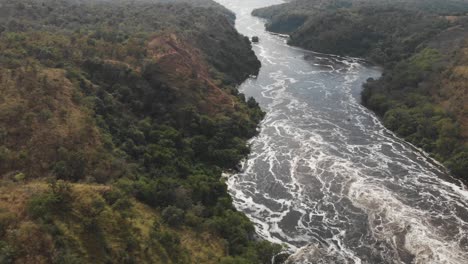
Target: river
x: 325, y: 178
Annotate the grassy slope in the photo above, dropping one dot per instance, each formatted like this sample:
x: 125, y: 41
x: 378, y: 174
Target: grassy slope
x: 134, y: 107
x: 95, y: 229
x: 421, y: 94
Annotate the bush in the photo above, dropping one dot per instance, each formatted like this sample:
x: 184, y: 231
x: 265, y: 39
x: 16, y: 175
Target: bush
x: 170, y: 241
x: 118, y: 200
x: 90, y: 210
x: 6, y: 219
x: 71, y: 166
x: 55, y: 200
x: 173, y: 216
x: 236, y: 228
x: 458, y: 164
x: 265, y: 251
x: 7, y: 253
x: 19, y: 177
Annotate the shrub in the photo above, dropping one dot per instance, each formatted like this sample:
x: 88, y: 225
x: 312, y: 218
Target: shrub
x: 170, y: 241
x: 19, y: 177
x: 236, y: 228
x: 118, y: 200
x: 45, y: 115
x: 6, y: 219
x: 173, y: 216
x: 55, y: 200
x: 458, y: 164
x: 7, y: 253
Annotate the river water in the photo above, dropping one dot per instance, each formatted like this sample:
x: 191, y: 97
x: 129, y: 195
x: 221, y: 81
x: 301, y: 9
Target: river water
x: 325, y: 178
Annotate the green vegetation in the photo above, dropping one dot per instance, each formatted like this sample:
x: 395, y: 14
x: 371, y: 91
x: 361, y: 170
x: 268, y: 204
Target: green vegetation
x: 422, y: 94
x: 406, y: 99
x: 131, y: 107
x: 380, y: 31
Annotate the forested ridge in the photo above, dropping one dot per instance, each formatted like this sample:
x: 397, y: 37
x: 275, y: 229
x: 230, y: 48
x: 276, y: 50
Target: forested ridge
x: 422, y: 94
x: 117, y: 119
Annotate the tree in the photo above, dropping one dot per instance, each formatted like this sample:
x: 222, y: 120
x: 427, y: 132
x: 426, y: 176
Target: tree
x: 173, y: 216
x: 458, y: 164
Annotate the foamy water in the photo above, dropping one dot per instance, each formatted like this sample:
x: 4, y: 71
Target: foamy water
x: 326, y: 178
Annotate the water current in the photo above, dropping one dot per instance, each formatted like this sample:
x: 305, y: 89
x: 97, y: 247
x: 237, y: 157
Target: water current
x: 325, y: 178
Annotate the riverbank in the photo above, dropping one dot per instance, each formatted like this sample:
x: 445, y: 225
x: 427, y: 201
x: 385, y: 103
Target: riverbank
x: 325, y: 178
x: 422, y: 94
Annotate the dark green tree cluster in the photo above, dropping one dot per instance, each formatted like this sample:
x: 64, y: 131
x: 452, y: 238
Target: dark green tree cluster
x: 383, y: 33
x: 403, y: 98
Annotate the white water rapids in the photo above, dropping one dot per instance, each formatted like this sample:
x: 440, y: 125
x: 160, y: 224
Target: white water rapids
x: 326, y: 178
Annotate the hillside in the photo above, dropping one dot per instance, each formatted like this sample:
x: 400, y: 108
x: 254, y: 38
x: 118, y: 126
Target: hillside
x: 422, y: 46
x: 382, y: 31
x: 117, y: 119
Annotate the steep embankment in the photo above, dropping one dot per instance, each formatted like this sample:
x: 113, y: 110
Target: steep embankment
x: 116, y: 121
x: 421, y: 44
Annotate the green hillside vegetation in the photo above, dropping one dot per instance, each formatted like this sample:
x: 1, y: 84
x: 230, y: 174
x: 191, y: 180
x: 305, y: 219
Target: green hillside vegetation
x: 117, y: 119
x: 422, y: 46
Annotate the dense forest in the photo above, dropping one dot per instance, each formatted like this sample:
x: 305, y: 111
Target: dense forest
x: 422, y: 94
x: 117, y: 119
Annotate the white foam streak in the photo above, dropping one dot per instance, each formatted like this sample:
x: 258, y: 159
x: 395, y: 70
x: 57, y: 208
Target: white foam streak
x: 327, y: 179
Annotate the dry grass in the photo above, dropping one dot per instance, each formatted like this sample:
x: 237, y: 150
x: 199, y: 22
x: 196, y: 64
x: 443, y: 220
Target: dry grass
x: 39, y: 115
x: 203, y: 247
x: 110, y: 239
